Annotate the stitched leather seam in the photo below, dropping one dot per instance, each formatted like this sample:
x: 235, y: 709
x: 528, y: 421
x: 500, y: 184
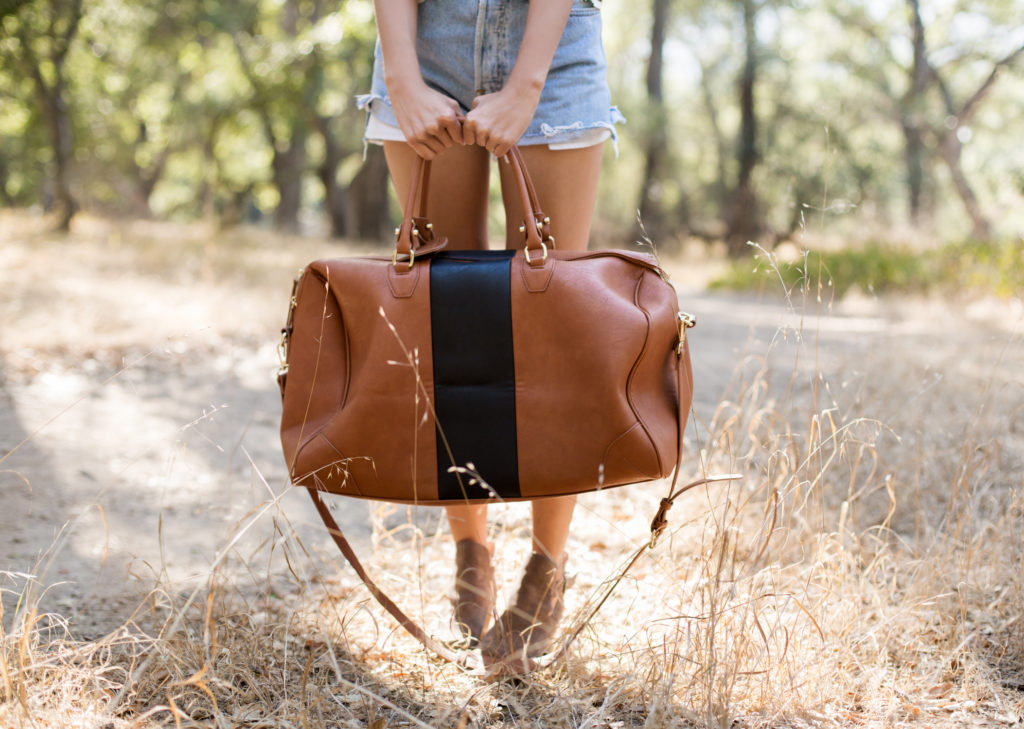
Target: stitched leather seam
x: 635, y: 467
x: 636, y: 366
x: 343, y: 398
x: 341, y: 463
x: 394, y: 276
x: 525, y: 267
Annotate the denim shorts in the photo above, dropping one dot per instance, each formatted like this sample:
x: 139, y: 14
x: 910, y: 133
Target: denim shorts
x: 467, y: 48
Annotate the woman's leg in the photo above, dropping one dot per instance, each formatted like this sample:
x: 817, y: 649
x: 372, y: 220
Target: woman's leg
x: 468, y: 522
x: 566, y: 184
x: 457, y: 207
x: 551, y: 518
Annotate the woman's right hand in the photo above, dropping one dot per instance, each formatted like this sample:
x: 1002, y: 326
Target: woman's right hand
x: 430, y: 121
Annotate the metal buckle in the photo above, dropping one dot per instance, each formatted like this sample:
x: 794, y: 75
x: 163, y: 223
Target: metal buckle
x: 543, y: 254
x: 685, y: 321
x: 412, y: 257
x: 282, y: 353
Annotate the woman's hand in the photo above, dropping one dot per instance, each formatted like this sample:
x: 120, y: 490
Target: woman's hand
x: 498, y: 120
x: 430, y: 121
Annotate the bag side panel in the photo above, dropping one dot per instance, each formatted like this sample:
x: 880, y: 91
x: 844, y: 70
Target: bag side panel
x: 577, y: 343
x: 317, y: 381
x: 386, y: 429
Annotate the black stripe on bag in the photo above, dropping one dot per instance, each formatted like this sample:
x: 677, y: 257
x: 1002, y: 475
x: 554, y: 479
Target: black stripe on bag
x: 474, y: 371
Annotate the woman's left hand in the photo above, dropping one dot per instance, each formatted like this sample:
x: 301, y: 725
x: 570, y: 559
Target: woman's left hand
x: 498, y: 120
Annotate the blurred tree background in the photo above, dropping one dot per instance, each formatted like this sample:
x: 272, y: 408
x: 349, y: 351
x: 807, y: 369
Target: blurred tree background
x: 749, y: 120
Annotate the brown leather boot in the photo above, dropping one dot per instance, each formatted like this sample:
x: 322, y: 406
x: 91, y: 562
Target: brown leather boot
x: 524, y: 631
x: 474, y: 589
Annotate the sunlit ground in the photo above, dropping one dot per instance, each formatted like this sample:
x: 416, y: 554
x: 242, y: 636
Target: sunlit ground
x: 864, y: 571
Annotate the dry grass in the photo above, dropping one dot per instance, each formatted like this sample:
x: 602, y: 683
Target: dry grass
x: 866, y: 571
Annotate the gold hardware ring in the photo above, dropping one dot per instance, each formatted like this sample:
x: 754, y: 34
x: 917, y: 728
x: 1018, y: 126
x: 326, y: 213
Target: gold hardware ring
x: 543, y: 253
x: 394, y: 257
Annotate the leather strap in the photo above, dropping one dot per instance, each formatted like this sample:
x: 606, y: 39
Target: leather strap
x: 533, y: 222
x: 416, y: 234
x: 684, y: 382
x: 515, y: 157
x: 424, y: 189
x: 404, y: 620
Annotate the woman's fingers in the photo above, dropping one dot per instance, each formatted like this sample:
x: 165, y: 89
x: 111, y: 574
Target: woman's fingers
x: 500, y: 150
x: 498, y: 120
x: 422, y: 150
x: 430, y: 121
x: 427, y: 147
x: 482, y: 138
x: 452, y: 125
x: 435, y: 138
x: 441, y: 135
x: 469, y: 131
x: 444, y: 131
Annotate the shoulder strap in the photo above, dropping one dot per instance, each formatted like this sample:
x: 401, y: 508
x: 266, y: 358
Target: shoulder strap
x: 404, y: 620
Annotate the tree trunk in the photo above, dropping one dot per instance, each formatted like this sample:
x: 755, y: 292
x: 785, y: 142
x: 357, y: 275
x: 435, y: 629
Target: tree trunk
x: 744, y: 216
x: 289, y: 165
x: 911, y: 123
x: 145, y: 179
x: 60, y: 135
x: 205, y: 194
x: 367, y: 198
x: 651, y: 210
x: 53, y: 108
x: 950, y: 148
x: 721, y: 186
x: 52, y: 98
x: 5, y: 197
x: 334, y: 195
x: 913, y: 156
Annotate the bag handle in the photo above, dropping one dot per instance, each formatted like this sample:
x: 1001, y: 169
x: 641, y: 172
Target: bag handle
x: 536, y: 225
x: 416, y: 235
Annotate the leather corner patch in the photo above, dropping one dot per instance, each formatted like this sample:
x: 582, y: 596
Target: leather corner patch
x: 403, y: 284
x: 537, y: 278
x: 632, y: 457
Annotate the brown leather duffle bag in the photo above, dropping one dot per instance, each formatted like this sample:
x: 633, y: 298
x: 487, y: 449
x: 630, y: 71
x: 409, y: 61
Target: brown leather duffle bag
x: 437, y: 376
x: 440, y: 377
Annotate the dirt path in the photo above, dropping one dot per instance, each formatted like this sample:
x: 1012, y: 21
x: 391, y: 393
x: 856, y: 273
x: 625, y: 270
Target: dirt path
x: 137, y: 453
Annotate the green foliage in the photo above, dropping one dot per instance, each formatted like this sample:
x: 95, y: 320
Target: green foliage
x: 983, y: 266
x: 181, y: 108
x: 968, y: 267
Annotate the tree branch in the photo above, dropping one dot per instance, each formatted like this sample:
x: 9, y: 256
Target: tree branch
x: 74, y: 20
x: 264, y: 115
x: 972, y: 103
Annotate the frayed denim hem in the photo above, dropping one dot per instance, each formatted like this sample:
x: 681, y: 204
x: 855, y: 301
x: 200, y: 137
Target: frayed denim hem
x: 567, y: 132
